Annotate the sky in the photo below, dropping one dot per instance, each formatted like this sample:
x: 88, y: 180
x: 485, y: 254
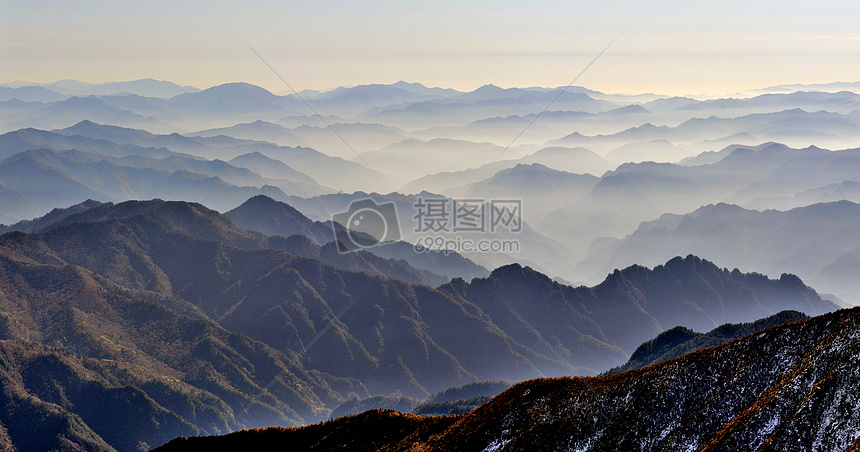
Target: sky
x: 664, y: 46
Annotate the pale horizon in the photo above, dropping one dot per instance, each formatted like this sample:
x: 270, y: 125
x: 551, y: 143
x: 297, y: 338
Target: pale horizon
x: 670, y: 48
x: 284, y: 90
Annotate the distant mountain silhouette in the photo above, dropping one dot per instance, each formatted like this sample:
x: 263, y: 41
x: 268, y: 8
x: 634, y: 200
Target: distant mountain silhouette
x: 46, y: 178
x: 75, y: 109
x: 764, y: 176
x: 302, y: 160
x: 572, y: 160
x: 143, y: 87
x: 278, y: 173
x: 132, y: 168
x: 356, y: 405
x: 362, y: 137
x: 843, y: 101
x: 803, y: 241
x: 536, y: 185
x: 496, y: 130
x: 358, y: 99
x: 28, y: 139
x: 235, y: 99
x: 681, y: 340
x: 819, y: 87
x: 271, y: 217
x: 271, y: 168
x: 411, y: 158
x: 788, y: 123
x: 124, y: 135
x: 30, y: 94
x: 536, y: 250
x: 421, y: 89
x: 654, y: 151
x: 440, y: 182
x: 326, y: 170
x: 485, y: 102
x: 258, y: 130
x: 14, y: 206
x: 462, y: 399
x: 456, y: 400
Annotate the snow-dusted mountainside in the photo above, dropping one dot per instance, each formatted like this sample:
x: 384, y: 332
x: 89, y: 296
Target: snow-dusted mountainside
x: 790, y: 387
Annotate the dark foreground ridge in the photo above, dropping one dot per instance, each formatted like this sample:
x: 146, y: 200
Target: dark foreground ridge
x: 789, y: 387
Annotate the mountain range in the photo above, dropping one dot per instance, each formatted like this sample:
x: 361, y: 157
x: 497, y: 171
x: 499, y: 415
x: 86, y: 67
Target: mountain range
x: 817, y: 242
x: 568, y: 222
x: 287, y: 164
x: 275, y: 218
x: 789, y: 387
x: 173, y: 302
x: 535, y: 249
x: 87, y: 165
x: 764, y: 176
x: 144, y: 87
x: 532, y: 184
x: 177, y: 262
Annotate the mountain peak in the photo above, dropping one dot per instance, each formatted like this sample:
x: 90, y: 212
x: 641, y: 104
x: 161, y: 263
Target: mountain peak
x: 627, y: 110
x: 268, y: 216
x: 507, y: 270
x: 719, y: 209
x: 192, y: 219
x: 237, y: 87
x: 517, y: 274
x: 690, y: 262
x: 263, y: 203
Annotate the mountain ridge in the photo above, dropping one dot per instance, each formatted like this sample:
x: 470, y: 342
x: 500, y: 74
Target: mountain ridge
x: 178, y: 290
x: 752, y: 402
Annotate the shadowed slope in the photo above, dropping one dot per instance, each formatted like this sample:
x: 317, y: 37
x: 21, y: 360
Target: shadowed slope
x: 791, y: 387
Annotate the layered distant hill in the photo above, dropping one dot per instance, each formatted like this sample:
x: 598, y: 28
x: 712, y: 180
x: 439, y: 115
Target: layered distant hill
x: 372, y: 117
x: 144, y: 87
x: 789, y: 387
x: 127, y: 320
x: 40, y: 170
x: 535, y: 249
x: 590, y: 166
x: 541, y: 189
x: 271, y: 217
x: 817, y: 242
x: 768, y: 176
